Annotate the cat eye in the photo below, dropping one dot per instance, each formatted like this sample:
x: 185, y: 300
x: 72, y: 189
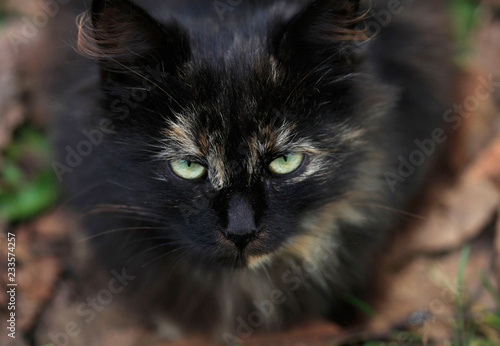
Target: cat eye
x: 286, y: 164
x: 188, y: 169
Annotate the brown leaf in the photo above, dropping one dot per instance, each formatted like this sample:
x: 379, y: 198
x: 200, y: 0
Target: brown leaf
x: 455, y: 213
x: 422, y: 295
x: 11, y: 108
x: 497, y: 251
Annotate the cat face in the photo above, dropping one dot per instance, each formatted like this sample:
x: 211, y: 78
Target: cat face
x: 248, y: 168
x: 242, y: 139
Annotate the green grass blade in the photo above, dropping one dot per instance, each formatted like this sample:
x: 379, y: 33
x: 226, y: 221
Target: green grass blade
x: 462, y: 263
x: 360, y: 304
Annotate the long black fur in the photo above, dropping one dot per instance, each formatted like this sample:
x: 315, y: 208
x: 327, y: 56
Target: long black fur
x: 171, y: 75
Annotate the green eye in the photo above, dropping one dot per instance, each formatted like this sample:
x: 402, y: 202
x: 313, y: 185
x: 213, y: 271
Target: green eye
x: 187, y: 169
x: 286, y: 163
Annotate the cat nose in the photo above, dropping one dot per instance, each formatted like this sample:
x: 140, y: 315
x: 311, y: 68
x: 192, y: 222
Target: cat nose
x: 241, y: 228
x: 241, y: 240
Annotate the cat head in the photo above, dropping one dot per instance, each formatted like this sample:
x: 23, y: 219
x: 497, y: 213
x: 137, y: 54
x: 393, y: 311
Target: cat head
x: 237, y: 136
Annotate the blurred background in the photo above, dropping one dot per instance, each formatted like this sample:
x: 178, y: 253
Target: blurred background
x: 439, y: 277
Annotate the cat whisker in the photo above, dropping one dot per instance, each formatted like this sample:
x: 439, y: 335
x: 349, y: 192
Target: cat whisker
x: 117, y: 230
x: 122, y: 208
x: 184, y: 253
x: 126, y: 212
x: 395, y: 210
x: 81, y: 192
x: 150, y: 81
x: 148, y: 250
x: 125, y: 215
x: 305, y: 77
x: 355, y: 195
x: 154, y: 238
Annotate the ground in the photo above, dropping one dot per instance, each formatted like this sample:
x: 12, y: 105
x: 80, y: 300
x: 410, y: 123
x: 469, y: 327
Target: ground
x: 437, y: 280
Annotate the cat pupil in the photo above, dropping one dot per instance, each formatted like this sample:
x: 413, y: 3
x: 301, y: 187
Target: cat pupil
x: 285, y: 158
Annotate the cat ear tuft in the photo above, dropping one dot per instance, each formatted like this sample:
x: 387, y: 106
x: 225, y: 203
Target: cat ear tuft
x: 120, y: 35
x: 323, y: 30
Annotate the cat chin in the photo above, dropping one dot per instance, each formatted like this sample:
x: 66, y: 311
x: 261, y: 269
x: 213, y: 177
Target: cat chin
x: 257, y: 261
x: 257, y: 253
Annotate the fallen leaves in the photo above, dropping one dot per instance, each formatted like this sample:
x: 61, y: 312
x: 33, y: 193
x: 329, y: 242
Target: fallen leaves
x: 419, y: 268
x: 420, y: 296
x: 11, y: 107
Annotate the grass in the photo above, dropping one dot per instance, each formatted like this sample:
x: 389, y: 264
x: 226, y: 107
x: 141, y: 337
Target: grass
x: 459, y: 330
x: 28, y: 185
x: 475, y: 329
x: 464, y: 17
x: 469, y: 328
x: 489, y: 321
x: 2, y: 15
x: 359, y: 304
x: 465, y: 330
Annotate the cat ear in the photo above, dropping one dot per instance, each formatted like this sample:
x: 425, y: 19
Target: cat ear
x: 324, y: 30
x: 123, y: 36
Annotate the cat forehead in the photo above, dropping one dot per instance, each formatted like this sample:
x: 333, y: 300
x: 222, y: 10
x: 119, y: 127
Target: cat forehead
x: 198, y: 136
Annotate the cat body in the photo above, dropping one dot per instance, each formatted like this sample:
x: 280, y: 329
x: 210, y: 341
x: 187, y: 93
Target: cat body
x: 233, y: 89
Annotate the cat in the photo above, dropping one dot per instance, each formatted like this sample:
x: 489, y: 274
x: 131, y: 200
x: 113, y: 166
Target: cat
x: 243, y: 160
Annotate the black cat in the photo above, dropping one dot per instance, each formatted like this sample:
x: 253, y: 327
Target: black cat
x: 244, y: 159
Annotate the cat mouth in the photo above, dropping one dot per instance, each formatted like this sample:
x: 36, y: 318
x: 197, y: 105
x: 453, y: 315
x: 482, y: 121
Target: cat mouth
x: 254, y: 254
